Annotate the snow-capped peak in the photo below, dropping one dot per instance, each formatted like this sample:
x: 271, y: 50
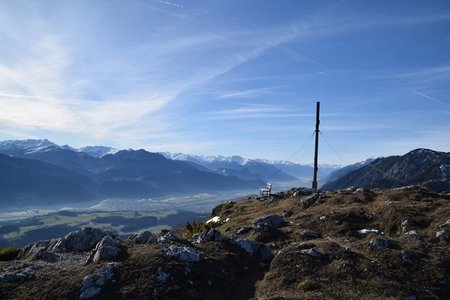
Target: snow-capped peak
x: 27, y: 146
x: 97, y: 151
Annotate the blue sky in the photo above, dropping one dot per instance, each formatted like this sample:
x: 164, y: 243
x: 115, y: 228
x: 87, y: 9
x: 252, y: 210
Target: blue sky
x: 228, y: 77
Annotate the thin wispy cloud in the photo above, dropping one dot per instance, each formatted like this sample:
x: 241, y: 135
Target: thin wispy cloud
x: 150, y: 73
x: 169, y: 3
x: 428, y: 97
x: 275, y: 90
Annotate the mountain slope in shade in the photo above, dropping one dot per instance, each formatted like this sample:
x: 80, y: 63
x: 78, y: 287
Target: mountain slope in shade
x: 29, y: 181
x: 140, y: 173
x: 419, y: 167
x: 335, y: 175
x: 44, y: 175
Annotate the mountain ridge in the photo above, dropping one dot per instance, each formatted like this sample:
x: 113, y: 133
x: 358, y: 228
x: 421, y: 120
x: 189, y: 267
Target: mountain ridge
x: 418, y: 167
x: 128, y: 174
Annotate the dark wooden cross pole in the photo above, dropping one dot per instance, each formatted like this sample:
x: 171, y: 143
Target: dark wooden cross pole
x: 316, y: 150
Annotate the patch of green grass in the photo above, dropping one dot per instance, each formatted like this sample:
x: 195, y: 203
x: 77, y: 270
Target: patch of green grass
x: 196, y: 227
x: 9, y: 253
x: 228, y: 205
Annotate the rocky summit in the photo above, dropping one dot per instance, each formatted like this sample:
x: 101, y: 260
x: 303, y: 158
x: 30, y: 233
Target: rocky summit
x: 345, y: 244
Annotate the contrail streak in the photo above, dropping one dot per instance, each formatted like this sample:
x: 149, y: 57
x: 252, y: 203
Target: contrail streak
x: 428, y: 97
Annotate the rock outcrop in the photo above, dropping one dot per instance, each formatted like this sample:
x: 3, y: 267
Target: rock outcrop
x: 183, y: 253
x: 258, y: 250
x: 92, y: 284
x: 76, y: 241
x: 106, y: 249
x: 79, y: 241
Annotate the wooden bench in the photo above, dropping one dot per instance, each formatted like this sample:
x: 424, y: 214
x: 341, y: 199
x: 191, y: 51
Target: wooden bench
x: 266, y: 191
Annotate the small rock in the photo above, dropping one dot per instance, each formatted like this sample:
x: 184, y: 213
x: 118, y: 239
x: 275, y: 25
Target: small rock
x: 143, y: 237
x: 322, y: 218
x: 183, y: 254
x: 444, y: 232
x: 207, y: 236
x: 404, y: 224
x: 414, y: 234
x: 310, y: 200
x: 105, y: 274
x: 309, y: 234
x: 169, y: 237
x: 270, y: 220
x: 311, y: 252
x: 445, y: 225
x: 380, y: 243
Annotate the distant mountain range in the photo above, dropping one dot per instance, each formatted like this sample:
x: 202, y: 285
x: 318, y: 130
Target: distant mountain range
x: 266, y: 170
x: 423, y: 167
x: 39, y: 171
x: 21, y: 147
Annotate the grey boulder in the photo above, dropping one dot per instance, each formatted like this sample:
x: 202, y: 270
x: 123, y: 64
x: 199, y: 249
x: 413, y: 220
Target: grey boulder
x: 270, y: 220
x: 143, y: 237
x: 257, y: 250
x: 380, y: 243
x: 207, y: 236
x: 169, y: 237
x: 106, y: 249
x: 309, y: 201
